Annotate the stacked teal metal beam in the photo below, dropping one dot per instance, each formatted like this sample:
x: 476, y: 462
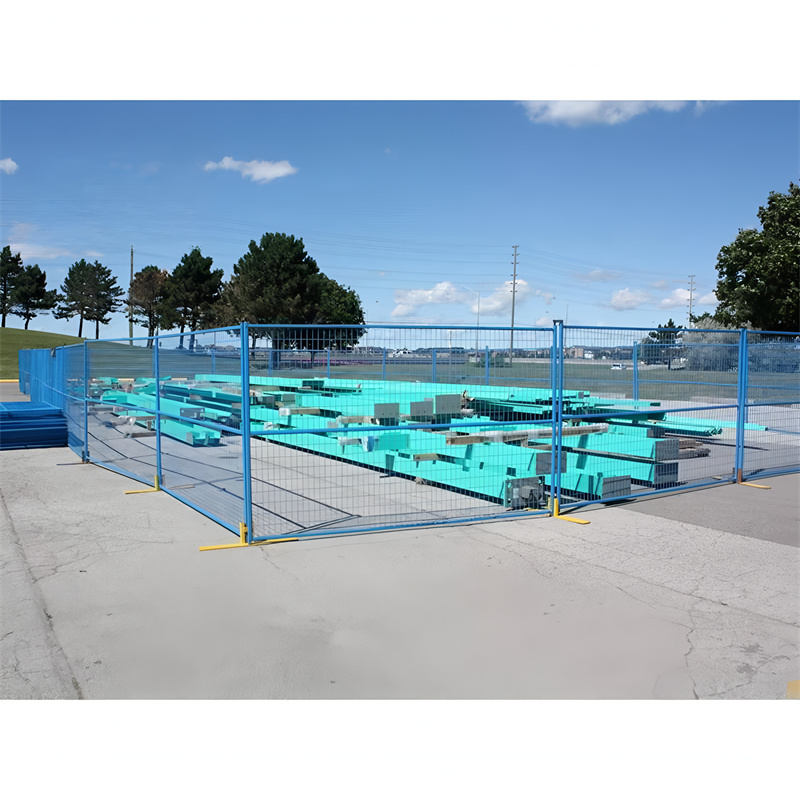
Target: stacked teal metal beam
x: 332, y: 413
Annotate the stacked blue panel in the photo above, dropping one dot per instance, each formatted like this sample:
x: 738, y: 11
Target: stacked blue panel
x: 29, y: 425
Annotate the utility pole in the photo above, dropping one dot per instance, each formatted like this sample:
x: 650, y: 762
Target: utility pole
x: 691, y: 298
x: 513, y: 303
x: 130, y: 306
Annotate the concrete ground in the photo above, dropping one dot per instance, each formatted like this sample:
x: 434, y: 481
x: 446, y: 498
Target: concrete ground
x: 106, y: 595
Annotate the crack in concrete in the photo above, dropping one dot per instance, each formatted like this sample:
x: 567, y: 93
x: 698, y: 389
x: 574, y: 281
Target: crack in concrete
x: 38, y: 599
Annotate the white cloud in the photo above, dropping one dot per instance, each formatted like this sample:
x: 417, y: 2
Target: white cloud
x: 593, y: 112
x: 494, y: 303
x: 8, y: 166
x: 661, y: 284
x: 409, y: 300
x: 709, y: 299
x: 627, y: 299
x: 597, y: 276
x: 257, y: 171
x: 678, y: 297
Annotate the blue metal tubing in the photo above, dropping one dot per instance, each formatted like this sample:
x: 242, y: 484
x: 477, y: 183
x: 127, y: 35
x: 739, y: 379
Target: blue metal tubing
x: 559, y: 407
x: 651, y: 493
x: 741, y: 401
x: 375, y: 428
x: 320, y: 533
x: 158, y: 411
x: 689, y: 383
x: 766, y: 473
x: 366, y: 328
x: 169, y: 415
x: 233, y: 331
x: 120, y: 470
x: 433, y: 366
x: 781, y: 402
x: 246, y: 473
x: 383, y: 365
x: 85, y: 401
x: 646, y: 330
x: 656, y: 410
x: 203, y: 511
x: 635, y: 371
x: 487, y: 374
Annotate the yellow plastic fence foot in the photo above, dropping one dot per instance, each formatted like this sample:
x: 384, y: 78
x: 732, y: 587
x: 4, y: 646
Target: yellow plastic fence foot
x: 565, y: 517
x: 156, y: 488
x: 740, y: 480
x: 223, y: 546
x: 793, y: 690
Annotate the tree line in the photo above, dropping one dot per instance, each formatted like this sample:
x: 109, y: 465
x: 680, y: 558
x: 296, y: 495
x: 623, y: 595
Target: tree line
x: 275, y: 282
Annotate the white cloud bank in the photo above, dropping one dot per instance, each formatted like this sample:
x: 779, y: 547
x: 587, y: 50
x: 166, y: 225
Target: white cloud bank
x: 493, y: 303
x: 257, y: 171
x: 595, y: 112
x: 8, y: 166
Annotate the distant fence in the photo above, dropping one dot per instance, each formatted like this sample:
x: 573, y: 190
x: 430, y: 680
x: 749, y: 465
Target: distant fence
x: 306, y: 431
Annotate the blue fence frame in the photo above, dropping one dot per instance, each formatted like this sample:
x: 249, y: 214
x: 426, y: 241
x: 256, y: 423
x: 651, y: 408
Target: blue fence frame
x: 51, y: 376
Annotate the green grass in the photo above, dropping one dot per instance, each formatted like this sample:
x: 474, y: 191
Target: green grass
x: 13, y: 340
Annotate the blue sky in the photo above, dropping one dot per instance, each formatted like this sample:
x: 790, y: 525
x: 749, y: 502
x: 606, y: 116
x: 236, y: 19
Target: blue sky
x: 415, y: 205
x: 399, y: 151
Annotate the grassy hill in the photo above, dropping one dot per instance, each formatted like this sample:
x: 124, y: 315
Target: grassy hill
x: 13, y: 339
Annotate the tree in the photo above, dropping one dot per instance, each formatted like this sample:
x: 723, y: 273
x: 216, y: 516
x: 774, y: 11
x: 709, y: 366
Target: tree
x: 273, y: 282
x: 30, y: 294
x: 758, y: 280
x: 662, y: 345
x: 10, y: 270
x: 276, y: 282
x: 192, y: 291
x: 147, y: 300
x: 89, y: 292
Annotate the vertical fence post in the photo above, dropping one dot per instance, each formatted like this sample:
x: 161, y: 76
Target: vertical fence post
x: 741, y: 406
x: 433, y: 365
x: 214, y: 355
x: 636, y: 371
x: 383, y: 365
x: 156, y: 373
x: 328, y: 372
x: 558, y: 411
x: 244, y: 338
x: 486, y: 379
x: 85, y: 400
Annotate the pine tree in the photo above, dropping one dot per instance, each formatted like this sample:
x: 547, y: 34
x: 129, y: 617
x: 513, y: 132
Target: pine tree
x: 30, y: 294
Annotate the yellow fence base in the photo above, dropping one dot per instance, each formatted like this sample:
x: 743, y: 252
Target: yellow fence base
x: 156, y: 488
x: 566, y: 517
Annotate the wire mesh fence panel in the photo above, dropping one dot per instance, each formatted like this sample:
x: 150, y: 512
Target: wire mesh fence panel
x: 306, y: 430
x: 75, y: 407
x: 200, y: 421
x: 120, y: 390
x: 658, y: 424
x: 406, y: 426
x: 771, y: 439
